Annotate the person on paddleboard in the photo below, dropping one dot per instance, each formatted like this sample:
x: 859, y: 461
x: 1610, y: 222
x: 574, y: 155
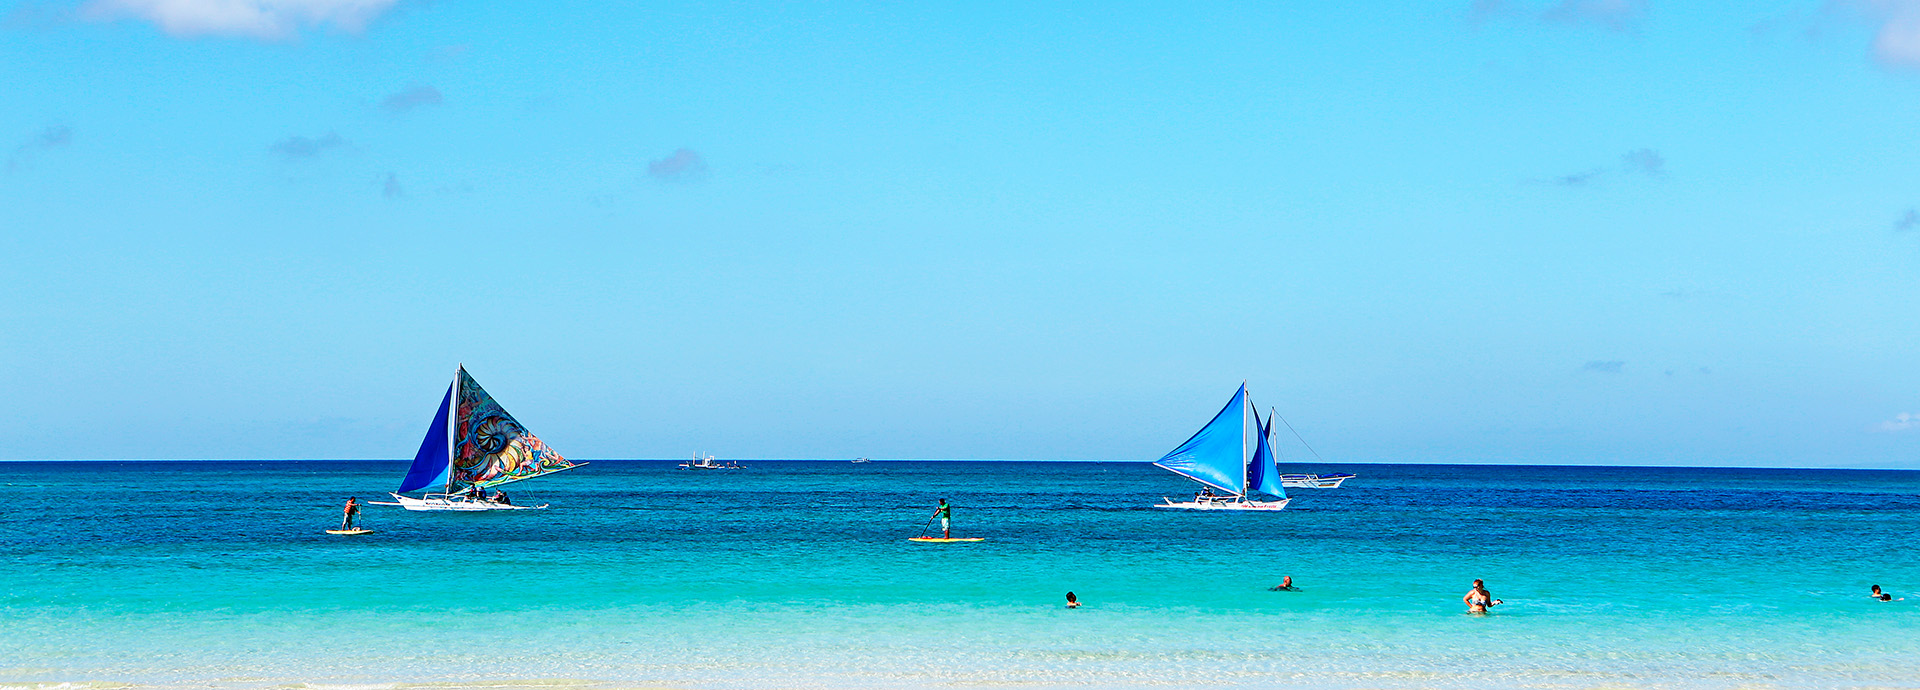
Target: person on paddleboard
x: 348, y: 514
x: 946, y: 519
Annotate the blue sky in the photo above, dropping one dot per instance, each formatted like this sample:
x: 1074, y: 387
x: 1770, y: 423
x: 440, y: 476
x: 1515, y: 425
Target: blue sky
x: 1573, y: 231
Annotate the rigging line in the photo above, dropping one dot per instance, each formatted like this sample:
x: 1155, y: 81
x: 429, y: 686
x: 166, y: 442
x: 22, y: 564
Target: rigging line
x: 1296, y: 434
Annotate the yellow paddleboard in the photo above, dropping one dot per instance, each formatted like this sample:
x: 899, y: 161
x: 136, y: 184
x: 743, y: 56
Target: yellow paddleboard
x: 945, y: 540
x: 350, y: 531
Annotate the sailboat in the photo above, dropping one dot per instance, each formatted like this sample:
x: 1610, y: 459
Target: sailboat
x: 1232, y: 459
x: 473, y: 445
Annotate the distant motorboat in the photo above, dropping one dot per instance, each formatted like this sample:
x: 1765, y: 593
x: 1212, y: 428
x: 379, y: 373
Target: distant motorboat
x: 1232, y: 459
x: 708, y: 463
x: 857, y: 461
x: 1313, y: 481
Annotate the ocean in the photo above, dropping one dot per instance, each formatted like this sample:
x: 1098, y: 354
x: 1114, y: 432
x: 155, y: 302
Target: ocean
x: 217, y: 574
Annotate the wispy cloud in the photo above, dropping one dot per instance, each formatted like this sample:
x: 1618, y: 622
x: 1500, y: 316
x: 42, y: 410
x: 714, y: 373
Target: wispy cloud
x: 1579, y: 179
x: 1608, y: 366
x: 412, y: 97
x: 1644, y: 161
x: 53, y: 137
x: 683, y: 166
x: 1908, y: 222
x: 1896, y: 38
x: 1615, y: 15
x: 1900, y: 422
x: 1638, y: 161
x: 307, y: 147
x: 263, y: 19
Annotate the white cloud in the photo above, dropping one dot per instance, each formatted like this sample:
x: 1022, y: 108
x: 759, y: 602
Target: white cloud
x: 1901, y: 422
x: 254, y: 18
x: 1898, y: 41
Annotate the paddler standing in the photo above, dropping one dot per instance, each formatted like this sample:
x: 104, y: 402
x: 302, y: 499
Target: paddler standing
x: 946, y: 519
x: 348, y: 514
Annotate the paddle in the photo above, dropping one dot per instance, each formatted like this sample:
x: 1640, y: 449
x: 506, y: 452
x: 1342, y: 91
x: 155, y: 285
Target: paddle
x: 924, y: 528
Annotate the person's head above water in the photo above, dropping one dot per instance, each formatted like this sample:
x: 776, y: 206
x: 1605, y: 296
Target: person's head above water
x: 1071, y: 597
x: 1479, y: 583
x: 1876, y: 589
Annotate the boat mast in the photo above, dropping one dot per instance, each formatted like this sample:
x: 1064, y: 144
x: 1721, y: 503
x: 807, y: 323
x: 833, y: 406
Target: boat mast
x: 453, y: 413
x: 1246, y: 403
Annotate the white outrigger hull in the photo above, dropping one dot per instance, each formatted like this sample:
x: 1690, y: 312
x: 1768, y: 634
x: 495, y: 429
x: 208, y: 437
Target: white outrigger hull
x: 1225, y: 505
x: 1313, y: 481
x: 440, y: 502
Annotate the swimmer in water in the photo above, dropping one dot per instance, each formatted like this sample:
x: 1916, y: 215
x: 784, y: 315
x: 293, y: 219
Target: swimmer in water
x: 1479, y: 599
x: 1286, y: 585
x: 1883, y: 596
x: 1073, y: 602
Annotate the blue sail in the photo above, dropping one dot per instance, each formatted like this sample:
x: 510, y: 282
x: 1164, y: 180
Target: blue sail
x: 1217, y: 454
x: 1263, y: 473
x: 432, y: 464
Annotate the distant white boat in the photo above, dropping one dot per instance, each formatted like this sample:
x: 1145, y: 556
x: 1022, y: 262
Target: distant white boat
x: 1232, y: 459
x: 471, y: 446
x: 857, y: 461
x: 1313, y: 481
x: 708, y: 463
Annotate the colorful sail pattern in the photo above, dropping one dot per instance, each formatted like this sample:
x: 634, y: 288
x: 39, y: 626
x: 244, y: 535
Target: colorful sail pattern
x: 490, y: 447
x: 1217, y: 454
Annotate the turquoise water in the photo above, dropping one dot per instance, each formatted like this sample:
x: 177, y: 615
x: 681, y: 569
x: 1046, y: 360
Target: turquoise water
x: 798, y: 574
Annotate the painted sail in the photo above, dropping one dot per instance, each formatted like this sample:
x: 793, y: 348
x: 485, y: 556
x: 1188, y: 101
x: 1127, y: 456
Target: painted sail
x: 1263, y: 472
x: 1218, y: 454
x: 431, y: 465
x: 490, y: 447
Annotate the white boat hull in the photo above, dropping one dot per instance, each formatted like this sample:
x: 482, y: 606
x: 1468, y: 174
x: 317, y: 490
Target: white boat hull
x: 1225, y: 505
x: 442, y: 502
x: 1313, y: 481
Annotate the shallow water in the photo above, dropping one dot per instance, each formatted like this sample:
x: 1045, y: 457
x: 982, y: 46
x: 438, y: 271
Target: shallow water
x: 798, y: 574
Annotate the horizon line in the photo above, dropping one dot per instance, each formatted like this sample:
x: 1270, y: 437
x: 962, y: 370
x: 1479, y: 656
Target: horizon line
x: 589, y: 460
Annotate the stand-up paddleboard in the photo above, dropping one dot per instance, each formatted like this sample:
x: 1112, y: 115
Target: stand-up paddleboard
x: 361, y: 530
x: 945, y: 540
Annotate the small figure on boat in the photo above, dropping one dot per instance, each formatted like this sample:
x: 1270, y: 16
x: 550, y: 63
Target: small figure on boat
x: 1479, y: 599
x: 1286, y: 585
x: 352, y: 512
x: 1883, y: 596
x: 945, y: 514
x: 1073, y: 602
x: 500, y: 497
